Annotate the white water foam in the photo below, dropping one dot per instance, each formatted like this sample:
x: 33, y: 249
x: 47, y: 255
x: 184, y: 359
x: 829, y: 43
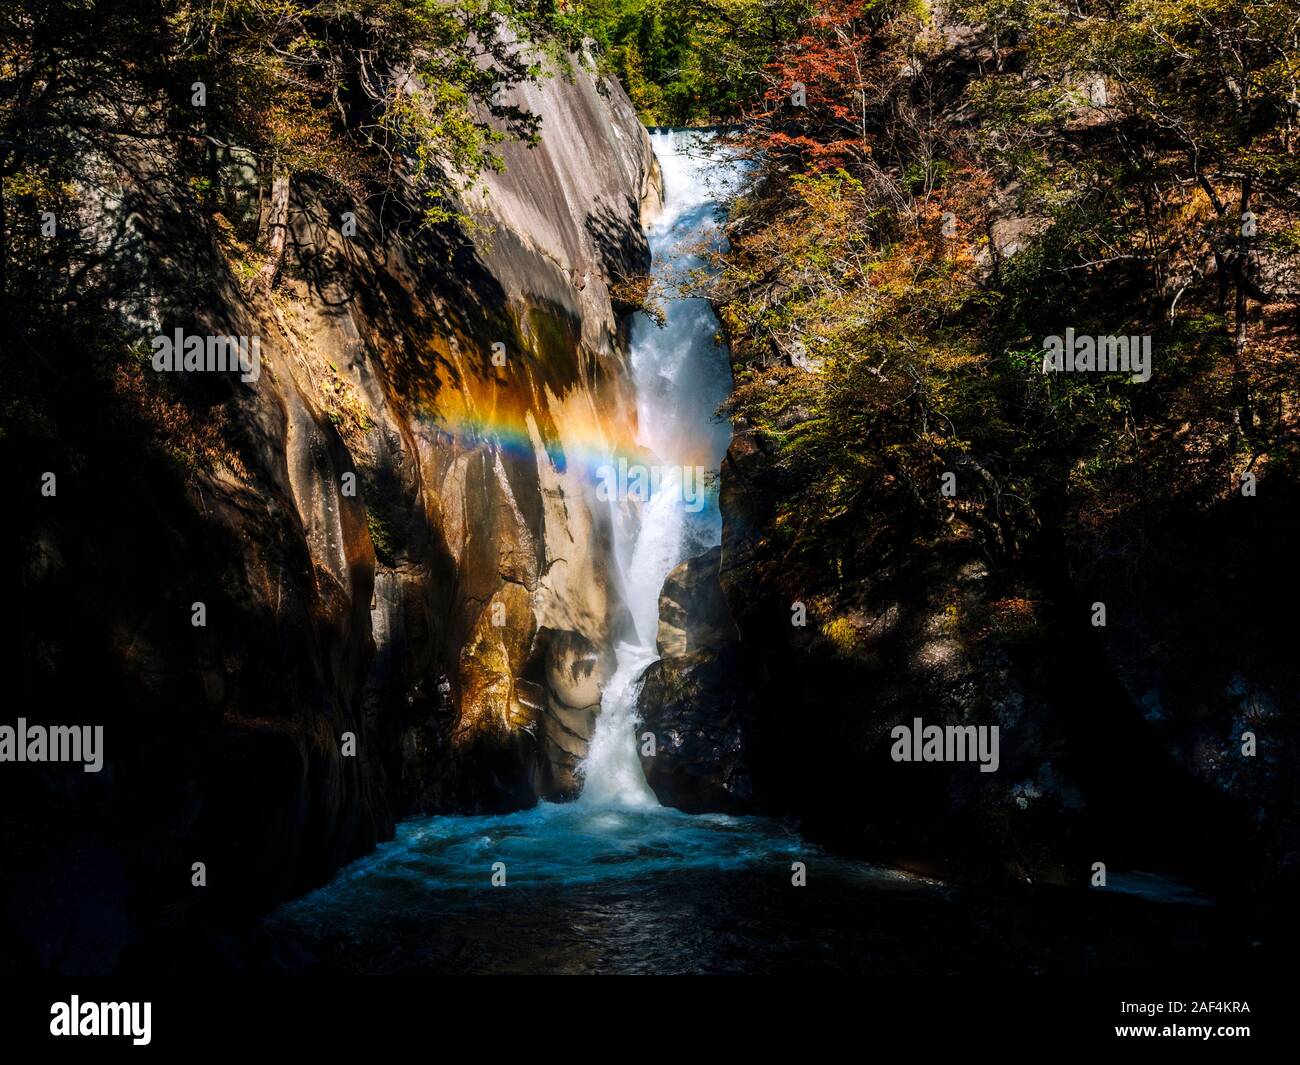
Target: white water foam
x: 681, y: 375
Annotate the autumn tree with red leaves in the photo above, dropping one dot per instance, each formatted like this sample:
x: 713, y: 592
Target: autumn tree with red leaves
x: 814, y: 107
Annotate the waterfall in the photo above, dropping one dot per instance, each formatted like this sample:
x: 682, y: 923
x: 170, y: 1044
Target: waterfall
x: 614, y: 863
x: 681, y: 375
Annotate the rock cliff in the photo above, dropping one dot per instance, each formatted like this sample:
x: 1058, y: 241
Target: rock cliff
x: 405, y: 599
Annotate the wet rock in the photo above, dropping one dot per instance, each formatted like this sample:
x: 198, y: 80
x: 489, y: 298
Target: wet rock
x: 576, y: 672
x: 697, y: 700
x: 693, y: 613
x: 699, y: 709
x: 1124, y: 739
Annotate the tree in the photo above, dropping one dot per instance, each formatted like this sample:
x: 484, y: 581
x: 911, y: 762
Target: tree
x: 365, y: 94
x: 818, y: 91
x: 1197, y: 95
x: 687, y: 62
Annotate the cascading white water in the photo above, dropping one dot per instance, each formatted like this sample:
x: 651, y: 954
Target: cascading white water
x: 681, y: 375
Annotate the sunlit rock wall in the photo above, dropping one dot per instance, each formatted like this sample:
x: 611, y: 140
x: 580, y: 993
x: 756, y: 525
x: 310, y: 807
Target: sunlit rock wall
x: 408, y: 601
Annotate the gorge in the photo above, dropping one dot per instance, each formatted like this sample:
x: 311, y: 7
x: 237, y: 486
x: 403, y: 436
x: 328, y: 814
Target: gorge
x: 582, y: 531
x: 614, y: 841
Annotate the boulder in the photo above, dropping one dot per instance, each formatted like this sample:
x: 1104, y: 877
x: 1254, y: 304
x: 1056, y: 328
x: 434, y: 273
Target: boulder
x: 693, y: 613
x: 700, y: 710
x: 697, y: 700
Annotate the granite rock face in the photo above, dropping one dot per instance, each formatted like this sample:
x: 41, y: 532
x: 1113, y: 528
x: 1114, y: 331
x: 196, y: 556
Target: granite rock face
x: 696, y: 700
x: 406, y: 586
x: 694, y: 617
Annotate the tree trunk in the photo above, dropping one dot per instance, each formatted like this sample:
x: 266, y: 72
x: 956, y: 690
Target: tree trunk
x: 277, y: 224
x: 1240, y: 379
x: 4, y: 261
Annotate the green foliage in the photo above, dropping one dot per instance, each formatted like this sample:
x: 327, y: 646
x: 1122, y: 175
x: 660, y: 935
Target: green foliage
x: 877, y: 354
x: 369, y: 97
x: 842, y: 635
x: 330, y: 88
x: 382, y: 539
x: 690, y: 62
